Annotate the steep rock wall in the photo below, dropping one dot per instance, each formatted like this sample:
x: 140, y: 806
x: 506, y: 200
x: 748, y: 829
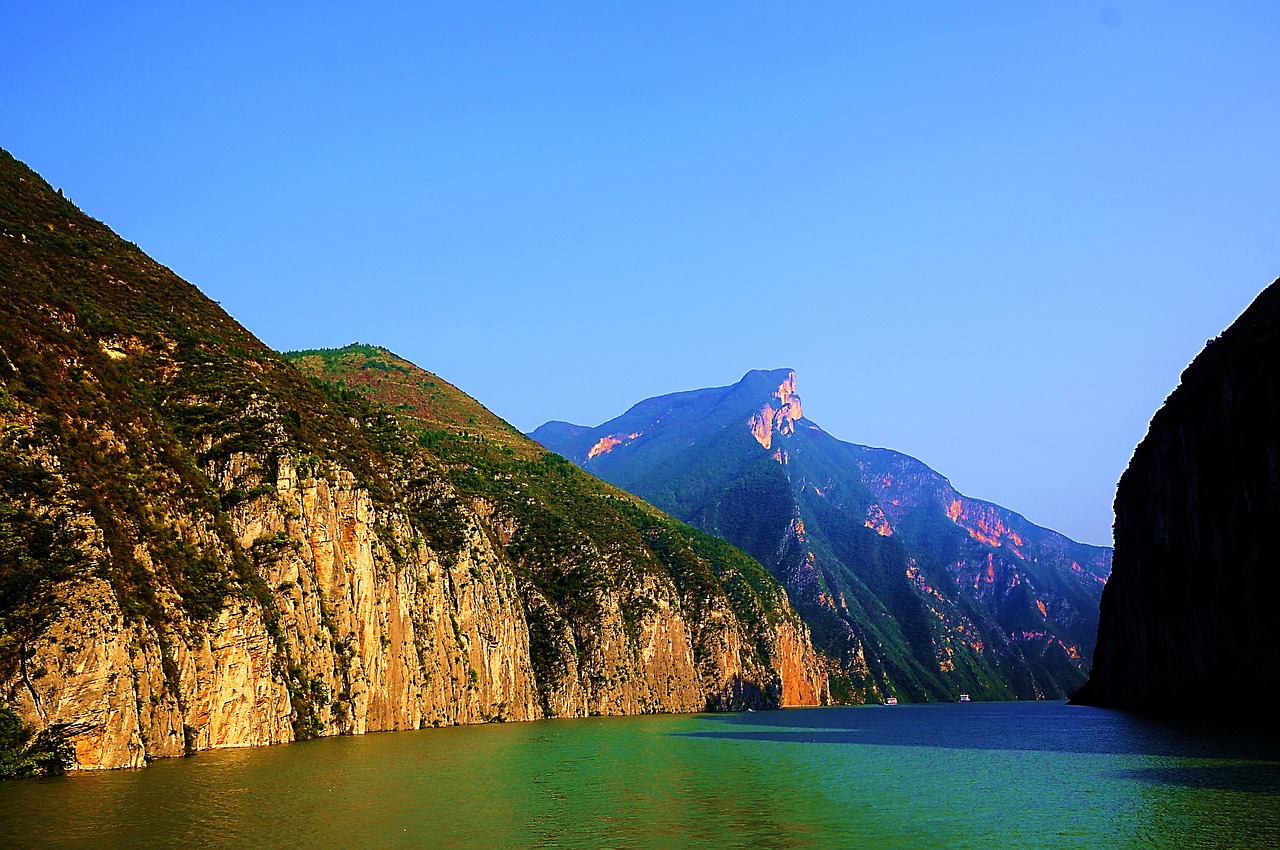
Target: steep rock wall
x: 358, y: 643
x: 1188, y: 619
x: 801, y: 675
x: 202, y: 545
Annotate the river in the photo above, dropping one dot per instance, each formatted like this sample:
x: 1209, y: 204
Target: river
x: 965, y: 775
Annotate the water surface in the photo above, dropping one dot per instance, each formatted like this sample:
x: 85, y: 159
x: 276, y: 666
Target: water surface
x: 975, y: 775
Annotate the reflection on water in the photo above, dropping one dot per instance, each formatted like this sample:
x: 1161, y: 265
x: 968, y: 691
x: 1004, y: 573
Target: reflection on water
x: 1260, y: 778
x: 1049, y: 726
x: 977, y: 775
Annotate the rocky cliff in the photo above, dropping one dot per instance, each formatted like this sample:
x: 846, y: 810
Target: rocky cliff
x: 202, y: 546
x: 1187, y: 621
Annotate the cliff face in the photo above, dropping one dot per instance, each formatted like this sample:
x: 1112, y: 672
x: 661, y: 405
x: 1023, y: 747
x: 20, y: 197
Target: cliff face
x: 1188, y: 621
x: 910, y: 588
x: 628, y: 610
x: 200, y: 546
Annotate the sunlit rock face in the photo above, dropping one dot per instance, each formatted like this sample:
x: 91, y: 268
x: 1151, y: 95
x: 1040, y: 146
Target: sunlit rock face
x: 1189, y: 618
x: 909, y: 587
x: 781, y: 420
x: 876, y: 520
x: 608, y: 442
x: 204, y: 545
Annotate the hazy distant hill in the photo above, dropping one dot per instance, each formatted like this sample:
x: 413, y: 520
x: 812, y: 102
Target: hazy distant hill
x: 1188, y: 618
x: 202, y: 545
x: 914, y: 589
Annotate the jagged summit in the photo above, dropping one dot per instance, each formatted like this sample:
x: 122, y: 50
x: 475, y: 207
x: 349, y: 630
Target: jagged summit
x: 776, y: 382
x: 911, y: 587
x: 764, y: 401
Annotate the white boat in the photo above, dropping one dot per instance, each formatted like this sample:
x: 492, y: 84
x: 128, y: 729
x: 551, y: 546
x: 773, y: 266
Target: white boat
x: 891, y: 701
x: 965, y: 698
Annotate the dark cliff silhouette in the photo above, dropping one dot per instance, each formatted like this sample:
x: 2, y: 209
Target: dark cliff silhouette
x: 1188, y: 618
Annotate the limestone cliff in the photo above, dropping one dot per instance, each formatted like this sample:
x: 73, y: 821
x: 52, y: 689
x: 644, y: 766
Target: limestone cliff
x: 201, y: 546
x: 1188, y: 618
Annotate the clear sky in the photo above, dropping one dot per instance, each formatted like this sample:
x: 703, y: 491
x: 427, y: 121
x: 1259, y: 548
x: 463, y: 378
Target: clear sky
x: 988, y: 234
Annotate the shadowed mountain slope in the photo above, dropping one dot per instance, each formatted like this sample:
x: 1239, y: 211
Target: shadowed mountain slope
x: 910, y: 588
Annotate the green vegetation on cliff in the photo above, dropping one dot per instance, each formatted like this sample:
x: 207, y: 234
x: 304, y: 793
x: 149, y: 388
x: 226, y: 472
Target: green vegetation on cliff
x: 558, y: 521
x: 24, y: 752
x: 119, y: 383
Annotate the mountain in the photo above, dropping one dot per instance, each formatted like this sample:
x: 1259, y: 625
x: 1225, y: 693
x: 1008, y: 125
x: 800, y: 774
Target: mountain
x: 1187, y: 623
x: 910, y: 588
x: 203, y: 545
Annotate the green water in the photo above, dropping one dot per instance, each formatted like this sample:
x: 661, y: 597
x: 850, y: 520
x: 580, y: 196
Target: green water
x: 976, y: 775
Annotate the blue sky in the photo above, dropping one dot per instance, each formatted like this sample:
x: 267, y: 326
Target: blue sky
x: 990, y: 235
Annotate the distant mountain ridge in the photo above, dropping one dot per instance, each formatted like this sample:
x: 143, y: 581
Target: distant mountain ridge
x: 909, y: 587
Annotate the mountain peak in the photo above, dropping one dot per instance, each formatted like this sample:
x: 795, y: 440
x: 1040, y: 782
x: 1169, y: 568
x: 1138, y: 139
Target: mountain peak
x: 910, y: 587
x: 771, y: 378
x: 781, y: 419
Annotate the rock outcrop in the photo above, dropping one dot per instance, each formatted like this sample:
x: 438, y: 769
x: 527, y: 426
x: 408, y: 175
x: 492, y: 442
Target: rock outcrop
x: 201, y: 546
x: 1188, y: 620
